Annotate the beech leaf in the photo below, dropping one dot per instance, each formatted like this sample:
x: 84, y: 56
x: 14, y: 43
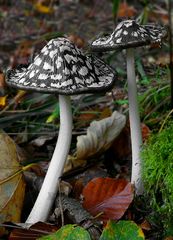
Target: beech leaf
x: 108, y: 196
x: 12, y: 186
x: 69, y: 232
x: 122, y: 230
x: 100, y: 135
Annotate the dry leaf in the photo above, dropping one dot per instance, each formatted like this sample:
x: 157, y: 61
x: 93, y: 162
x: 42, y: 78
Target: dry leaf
x: 109, y: 196
x: 3, y: 101
x: 126, y: 11
x: 145, y: 131
x: 12, y: 187
x: 43, y: 8
x: 34, y: 232
x: 100, y: 135
x: 145, y: 225
x: 78, y: 41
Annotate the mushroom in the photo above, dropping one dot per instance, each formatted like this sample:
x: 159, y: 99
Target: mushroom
x: 60, y: 68
x: 129, y: 35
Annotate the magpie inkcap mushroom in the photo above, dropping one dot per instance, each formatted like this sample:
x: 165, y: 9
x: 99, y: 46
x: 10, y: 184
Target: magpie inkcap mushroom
x: 129, y: 35
x: 63, y: 69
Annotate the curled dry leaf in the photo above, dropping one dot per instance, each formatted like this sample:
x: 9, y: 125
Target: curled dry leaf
x: 109, y: 196
x: 12, y: 186
x: 100, y: 135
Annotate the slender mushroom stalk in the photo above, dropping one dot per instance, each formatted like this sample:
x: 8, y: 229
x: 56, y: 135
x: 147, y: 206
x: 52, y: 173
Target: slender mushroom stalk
x: 61, y: 68
x: 49, y: 188
x: 129, y: 35
x: 135, y: 128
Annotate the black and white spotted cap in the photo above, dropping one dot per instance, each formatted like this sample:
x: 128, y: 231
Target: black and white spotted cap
x: 129, y: 34
x: 63, y: 68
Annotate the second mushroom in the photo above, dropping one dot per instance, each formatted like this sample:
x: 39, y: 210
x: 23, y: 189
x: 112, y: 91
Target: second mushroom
x: 128, y: 35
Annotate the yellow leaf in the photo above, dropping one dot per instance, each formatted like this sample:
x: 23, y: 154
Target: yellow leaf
x: 12, y: 185
x: 42, y: 8
x: 3, y: 101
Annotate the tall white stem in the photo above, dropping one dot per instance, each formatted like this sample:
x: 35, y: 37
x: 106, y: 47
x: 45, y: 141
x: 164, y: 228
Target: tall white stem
x: 135, y: 128
x: 49, y: 189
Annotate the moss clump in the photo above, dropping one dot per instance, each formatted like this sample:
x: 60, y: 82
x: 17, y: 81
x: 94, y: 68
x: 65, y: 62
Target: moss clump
x: 157, y: 156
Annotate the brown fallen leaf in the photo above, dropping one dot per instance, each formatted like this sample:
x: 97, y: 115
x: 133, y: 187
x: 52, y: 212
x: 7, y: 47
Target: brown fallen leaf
x: 78, y: 41
x: 12, y: 185
x: 107, y: 196
x: 126, y: 11
x: 145, y: 131
x: 37, y: 230
x: 145, y: 225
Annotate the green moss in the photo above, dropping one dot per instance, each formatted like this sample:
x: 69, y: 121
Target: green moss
x: 157, y: 156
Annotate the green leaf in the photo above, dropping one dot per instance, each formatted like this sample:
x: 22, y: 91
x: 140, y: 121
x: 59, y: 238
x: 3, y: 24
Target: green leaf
x: 122, y: 230
x: 54, y: 115
x: 122, y: 101
x: 68, y: 232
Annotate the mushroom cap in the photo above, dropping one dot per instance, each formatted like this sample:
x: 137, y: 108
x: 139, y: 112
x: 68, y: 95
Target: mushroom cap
x: 129, y: 34
x: 63, y: 68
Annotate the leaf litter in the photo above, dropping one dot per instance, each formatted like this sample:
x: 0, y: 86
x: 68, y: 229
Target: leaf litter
x: 18, y: 43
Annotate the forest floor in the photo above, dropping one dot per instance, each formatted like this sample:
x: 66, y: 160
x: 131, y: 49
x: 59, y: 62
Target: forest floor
x: 32, y: 119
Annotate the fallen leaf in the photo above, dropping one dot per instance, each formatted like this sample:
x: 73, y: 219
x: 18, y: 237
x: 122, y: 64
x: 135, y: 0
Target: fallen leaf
x: 126, y: 11
x: 145, y: 131
x: 121, y: 146
x: 122, y: 230
x: 78, y: 41
x: 108, y: 196
x: 100, y: 135
x: 12, y: 185
x: 87, y: 117
x: 69, y: 232
x: 73, y: 162
x: 34, y: 232
x: 106, y: 112
x: 81, y: 179
x: 43, y: 8
x: 145, y: 225
x: 3, y: 101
